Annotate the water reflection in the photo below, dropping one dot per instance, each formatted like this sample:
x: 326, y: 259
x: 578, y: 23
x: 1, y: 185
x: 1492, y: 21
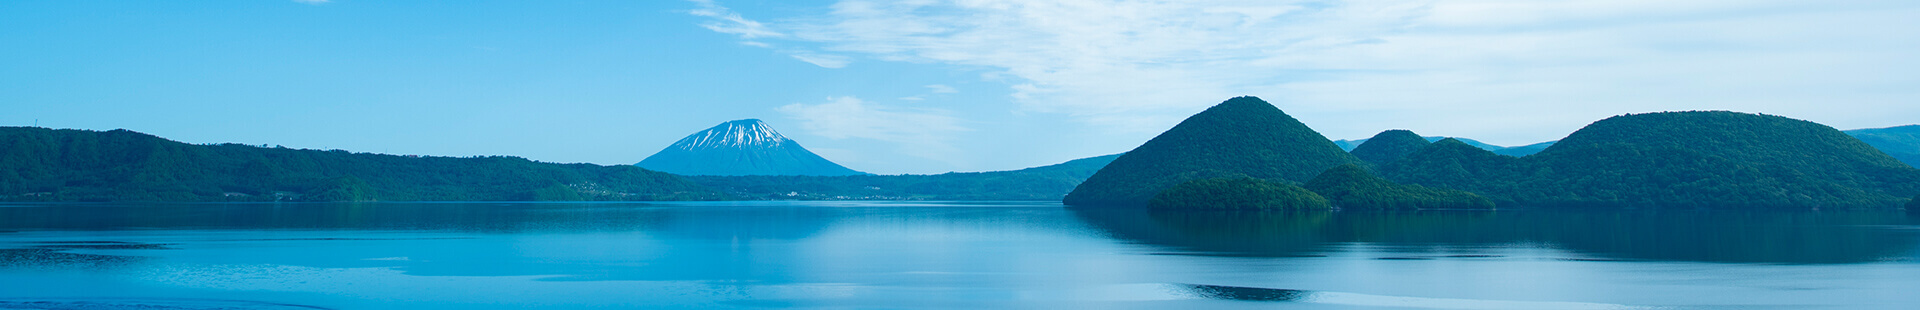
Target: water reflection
x: 1810, y: 237
x: 486, y: 217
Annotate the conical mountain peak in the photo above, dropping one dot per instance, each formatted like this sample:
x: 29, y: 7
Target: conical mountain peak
x: 1389, y: 146
x: 738, y: 134
x: 741, y: 147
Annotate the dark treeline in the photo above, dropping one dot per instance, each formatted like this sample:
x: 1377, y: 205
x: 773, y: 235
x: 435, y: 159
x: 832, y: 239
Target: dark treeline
x: 39, y: 164
x: 1038, y: 183
x: 1352, y: 187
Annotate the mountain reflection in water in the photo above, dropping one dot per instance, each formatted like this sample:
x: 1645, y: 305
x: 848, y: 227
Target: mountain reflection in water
x: 1792, y: 237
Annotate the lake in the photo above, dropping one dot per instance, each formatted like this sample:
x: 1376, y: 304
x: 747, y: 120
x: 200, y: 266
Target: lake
x: 958, y: 255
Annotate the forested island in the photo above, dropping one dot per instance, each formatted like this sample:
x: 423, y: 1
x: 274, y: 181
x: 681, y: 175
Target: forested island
x: 1695, y: 159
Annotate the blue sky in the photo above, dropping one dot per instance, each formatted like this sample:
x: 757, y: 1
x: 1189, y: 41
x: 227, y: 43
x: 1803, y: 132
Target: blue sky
x: 928, y: 86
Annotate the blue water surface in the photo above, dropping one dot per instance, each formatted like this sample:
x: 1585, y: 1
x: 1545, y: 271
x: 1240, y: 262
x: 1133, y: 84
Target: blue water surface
x: 864, y: 255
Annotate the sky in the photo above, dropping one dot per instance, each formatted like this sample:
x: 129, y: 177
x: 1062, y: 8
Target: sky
x: 928, y: 86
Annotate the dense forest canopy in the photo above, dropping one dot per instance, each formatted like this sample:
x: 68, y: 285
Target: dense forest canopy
x: 1695, y: 159
x: 1237, y: 193
x: 1352, y: 187
x: 39, y: 164
x: 1677, y: 159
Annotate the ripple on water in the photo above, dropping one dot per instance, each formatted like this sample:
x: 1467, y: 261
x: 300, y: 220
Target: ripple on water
x: 143, y: 304
x: 46, y: 258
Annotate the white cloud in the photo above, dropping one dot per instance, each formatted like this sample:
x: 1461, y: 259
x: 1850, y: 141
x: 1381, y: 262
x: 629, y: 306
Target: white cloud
x: 824, y: 61
x: 751, y: 33
x: 924, y: 133
x: 724, y: 20
x: 942, y: 89
x: 1465, y: 67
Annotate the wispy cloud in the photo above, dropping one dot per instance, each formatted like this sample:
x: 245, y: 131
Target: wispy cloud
x: 724, y: 20
x: 754, y: 33
x: 1116, y: 63
x: 1467, y: 66
x: 919, y: 132
x: 824, y: 61
x: 942, y: 89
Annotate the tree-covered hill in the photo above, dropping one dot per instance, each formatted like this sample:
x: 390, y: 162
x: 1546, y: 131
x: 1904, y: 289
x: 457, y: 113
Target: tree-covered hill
x: 39, y: 164
x: 1037, y: 183
x: 1242, y: 136
x: 1389, y: 146
x: 1455, y: 165
x: 1677, y: 159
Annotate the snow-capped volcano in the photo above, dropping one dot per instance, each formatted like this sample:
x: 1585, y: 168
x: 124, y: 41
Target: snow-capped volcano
x: 746, y: 133
x: 742, y: 147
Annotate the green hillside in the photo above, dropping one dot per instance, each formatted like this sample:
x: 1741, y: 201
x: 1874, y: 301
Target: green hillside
x: 38, y: 164
x: 1677, y: 159
x: 1453, y: 164
x: 1038, y: 183
x: 1237, y: 193
x: 1242, y: 136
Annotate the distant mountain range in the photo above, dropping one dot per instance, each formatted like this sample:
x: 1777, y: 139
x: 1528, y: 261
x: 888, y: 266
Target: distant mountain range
x: 741, y: 147
x: 1515, y: 151
x: 1902, y: 142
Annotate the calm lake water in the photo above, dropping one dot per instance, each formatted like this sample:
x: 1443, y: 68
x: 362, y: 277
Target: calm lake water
x: 941, y: 255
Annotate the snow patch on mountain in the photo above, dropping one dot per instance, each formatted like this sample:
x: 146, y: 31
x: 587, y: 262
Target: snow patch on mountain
x: 742, y: 134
